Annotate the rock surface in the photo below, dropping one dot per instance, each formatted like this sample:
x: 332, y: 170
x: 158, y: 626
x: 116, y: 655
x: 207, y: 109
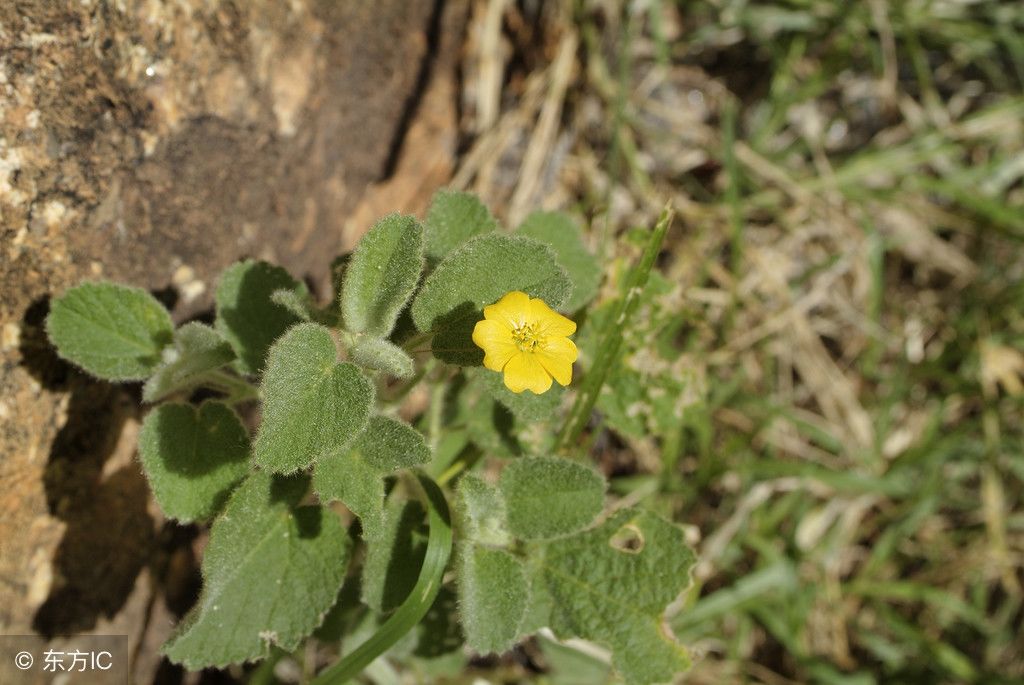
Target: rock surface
x: 154, y: 142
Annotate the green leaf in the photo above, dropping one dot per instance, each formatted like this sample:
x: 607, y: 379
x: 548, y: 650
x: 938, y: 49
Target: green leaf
x: 563, y: 235
x: 547, y: 496
x: 453, y: 218
x: 296, y: 300
x: 418, y: 601
x: 611, y: 585
x: 270, y: 573
x: 480, y: 509
x: 114, y: 332
x: 492, y: 597
x: 440, y: 634
x: 347, y: 478
x: 389, y: 444
x: 394, y: 557
x: 382, y: 275
x: 247, y: 316
x: 193, y: 457
x: 197, y: 349
x: 570, y: 666
x: 356, y: 476
x: 312, y: 405
x: 478, y: 274
x: 382, y: 355
x: 526, y: 406
x: 450, y: 444
x: 491, y: 426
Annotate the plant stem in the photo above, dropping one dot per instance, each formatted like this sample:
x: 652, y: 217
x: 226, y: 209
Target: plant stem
x: 435, y: 414
x: 264, y: 673
x: 237, y: 389
x: 466, y: 459
x: 415, y: 341
x: 402, y: 391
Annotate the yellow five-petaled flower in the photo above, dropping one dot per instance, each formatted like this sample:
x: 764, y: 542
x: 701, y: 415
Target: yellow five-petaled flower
x: 528, y: 341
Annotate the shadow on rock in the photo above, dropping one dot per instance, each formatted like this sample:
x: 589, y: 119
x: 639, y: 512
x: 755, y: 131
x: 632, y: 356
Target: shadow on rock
x: 109, y: 535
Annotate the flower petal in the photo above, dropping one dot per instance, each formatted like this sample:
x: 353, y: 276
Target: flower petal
x: 495, y: 339
x: 549, y: 322
x: 512, y: 310
x: 556, y: 355
x: 524, y: 372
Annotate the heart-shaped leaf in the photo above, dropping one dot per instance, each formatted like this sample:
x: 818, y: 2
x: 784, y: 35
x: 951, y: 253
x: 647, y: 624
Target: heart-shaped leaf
x: 115, y: 332
x: 312, y: 405
x: 247, y: 315
x: 193, y: 457
x: 563, y: 235
x: 270, y: 573
x: 477, y: 274
x: 356, y: 476
x: 453, y: 218
x: 548, y: 496
x: 611, y: 584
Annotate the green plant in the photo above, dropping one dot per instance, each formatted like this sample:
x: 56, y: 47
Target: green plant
x: 533, y: 547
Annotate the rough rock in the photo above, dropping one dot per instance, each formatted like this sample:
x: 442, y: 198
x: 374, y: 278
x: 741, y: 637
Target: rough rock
x: 154, y: 142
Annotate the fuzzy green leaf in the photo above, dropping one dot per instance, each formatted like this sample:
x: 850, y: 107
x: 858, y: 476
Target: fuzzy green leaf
x: 382, y: 355
x: 440, y: 635
x: 296, y: 300
x: 548, y: 496
x: 490, y: 425
x: 480, y: 509
x: 484, y: 269
x: 567, y: 665
x: 453, y: 218
x: 493, y: 593
x: 114, y: 332
x: 611, y: 585
x: 563, y: 235
x: 312, y: 405
x: 389, y: 445
x: 394, y: 557
x: 247, y: 315
x: 356, y: 476
x: 382, y: 275
x: 478, y: 274
x: 197, y: 349
x: 270, y: 573
x: 193, y: 457
x: 347, y: 478
x: 526, y: 406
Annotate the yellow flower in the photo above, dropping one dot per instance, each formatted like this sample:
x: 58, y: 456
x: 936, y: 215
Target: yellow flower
x: 527, y: 340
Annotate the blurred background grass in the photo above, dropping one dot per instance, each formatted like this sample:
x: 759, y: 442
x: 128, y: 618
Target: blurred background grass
x: 824, y: 382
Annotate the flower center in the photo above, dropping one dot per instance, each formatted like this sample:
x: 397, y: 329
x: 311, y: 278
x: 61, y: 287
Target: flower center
x: 526, y: 337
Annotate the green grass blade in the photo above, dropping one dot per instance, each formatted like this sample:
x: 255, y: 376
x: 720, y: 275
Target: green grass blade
x: 412, y: 611
x: 611, y: 337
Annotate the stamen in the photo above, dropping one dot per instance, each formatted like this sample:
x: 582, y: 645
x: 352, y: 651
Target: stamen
x: 526, y: 337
